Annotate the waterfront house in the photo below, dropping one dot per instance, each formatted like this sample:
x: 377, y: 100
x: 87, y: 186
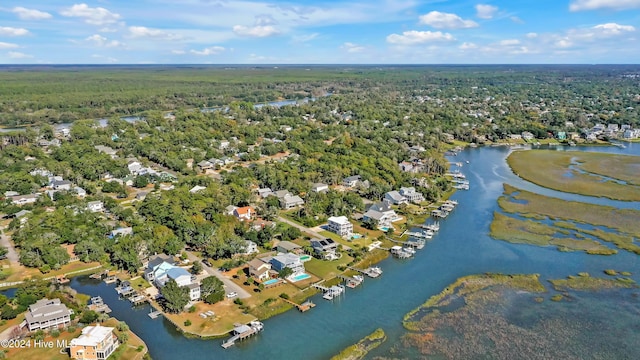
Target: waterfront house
x: 326, y: 248
x: 288, y: 246
x: 161, y: 273
x: 411, y: 194
x: 288, y: 260
x: 319, y: 187
x: 395, y: 198
x: 259, y: 269
x: 341, y: 226
x: 351, y: 181
x: 382, y: 214
x: 153, y: 262
x: 95, y: 343
x: 527, y: 136
x: 631, y: 134
x: 46, y: 314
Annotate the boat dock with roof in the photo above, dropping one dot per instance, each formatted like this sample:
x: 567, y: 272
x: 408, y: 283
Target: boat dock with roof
x: 241, y: 332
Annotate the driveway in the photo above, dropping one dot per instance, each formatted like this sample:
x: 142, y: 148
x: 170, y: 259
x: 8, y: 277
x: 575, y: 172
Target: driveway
x: 309, y: 231
x: 304, y: 229
x: 229, y: 285
x: 12, y: 255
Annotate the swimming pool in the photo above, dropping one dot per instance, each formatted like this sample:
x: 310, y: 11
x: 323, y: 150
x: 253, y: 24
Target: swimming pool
x: 384, y: 228
x: 356, y: 236
x: 300, y: 277
x: 304, y: 258
x: 271, y: 281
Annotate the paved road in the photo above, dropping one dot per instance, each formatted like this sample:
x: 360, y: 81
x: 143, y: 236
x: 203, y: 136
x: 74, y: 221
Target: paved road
x: 302, y: 228
x: 229, y: 285
x: 12, y: 255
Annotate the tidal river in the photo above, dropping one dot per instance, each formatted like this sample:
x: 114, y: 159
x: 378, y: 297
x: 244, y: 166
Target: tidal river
x: 462, y: 247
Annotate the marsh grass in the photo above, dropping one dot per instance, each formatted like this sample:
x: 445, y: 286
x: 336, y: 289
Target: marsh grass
x: 362, y: 347
x: 555, y: 164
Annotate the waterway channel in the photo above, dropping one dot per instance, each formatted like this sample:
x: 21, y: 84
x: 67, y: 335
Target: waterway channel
x: 462, y: 247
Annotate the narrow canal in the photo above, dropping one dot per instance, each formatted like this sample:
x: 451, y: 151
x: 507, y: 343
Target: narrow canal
x: 462, y: 247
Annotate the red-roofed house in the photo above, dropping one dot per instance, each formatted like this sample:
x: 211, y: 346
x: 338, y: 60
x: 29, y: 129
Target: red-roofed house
x: 245, y: 213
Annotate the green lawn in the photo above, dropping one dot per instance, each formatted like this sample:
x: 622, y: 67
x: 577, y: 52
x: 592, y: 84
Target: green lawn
x: 326, y: 269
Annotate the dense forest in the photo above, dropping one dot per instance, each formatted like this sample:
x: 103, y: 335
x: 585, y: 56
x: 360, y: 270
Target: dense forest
x: 363, y: 121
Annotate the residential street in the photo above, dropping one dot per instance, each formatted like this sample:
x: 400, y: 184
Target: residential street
x: 230, y: 286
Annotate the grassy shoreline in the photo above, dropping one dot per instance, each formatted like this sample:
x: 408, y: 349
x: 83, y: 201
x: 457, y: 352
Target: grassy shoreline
x: 584, y: 173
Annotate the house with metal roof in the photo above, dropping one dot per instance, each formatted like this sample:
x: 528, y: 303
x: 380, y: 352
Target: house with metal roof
x: 46, y: 314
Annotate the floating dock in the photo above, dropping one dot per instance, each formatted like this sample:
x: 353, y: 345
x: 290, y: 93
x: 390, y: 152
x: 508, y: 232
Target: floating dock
x: 155, y: 314
x: 110, y: 279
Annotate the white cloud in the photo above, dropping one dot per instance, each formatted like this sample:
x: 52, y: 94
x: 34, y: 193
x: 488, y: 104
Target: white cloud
x: 352, y: 48
x: 4, y: 45
x: 414, y: 37
x: 516, y: 20
x: 178, y: 52
x: 255, y: 31
x: 509, y: 42
x: 581, y: 5
x: 102, y: 41
x: 30, y: 14
x: 11, y: 31
x: 468, y: 46
x: 94, y: 16
x: 213, y: 50
x: 485, y: 11
x: 141, y: 31
x: 610, y: 29
x: 532, y: 35
x: 440, y: 20
x: 19, y: 55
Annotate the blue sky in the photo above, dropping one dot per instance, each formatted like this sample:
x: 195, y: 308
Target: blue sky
x: 319, y: 32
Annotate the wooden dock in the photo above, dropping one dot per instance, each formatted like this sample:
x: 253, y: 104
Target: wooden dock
x: 307, y: 305
x: 155, y: 314
x: 110, y: 279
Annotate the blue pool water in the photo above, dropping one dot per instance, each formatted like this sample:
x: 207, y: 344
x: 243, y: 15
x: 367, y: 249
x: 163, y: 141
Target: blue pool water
x: 384, y: 228
x: 300, y: 277
x: 271, y: 281
x: 356, y: 236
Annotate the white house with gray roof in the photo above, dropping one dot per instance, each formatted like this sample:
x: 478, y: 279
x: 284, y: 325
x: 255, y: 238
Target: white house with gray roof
x: 46, y: 314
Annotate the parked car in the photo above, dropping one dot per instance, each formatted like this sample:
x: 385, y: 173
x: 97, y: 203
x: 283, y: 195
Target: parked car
x: 232, y: 294
x: 206, y: 262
